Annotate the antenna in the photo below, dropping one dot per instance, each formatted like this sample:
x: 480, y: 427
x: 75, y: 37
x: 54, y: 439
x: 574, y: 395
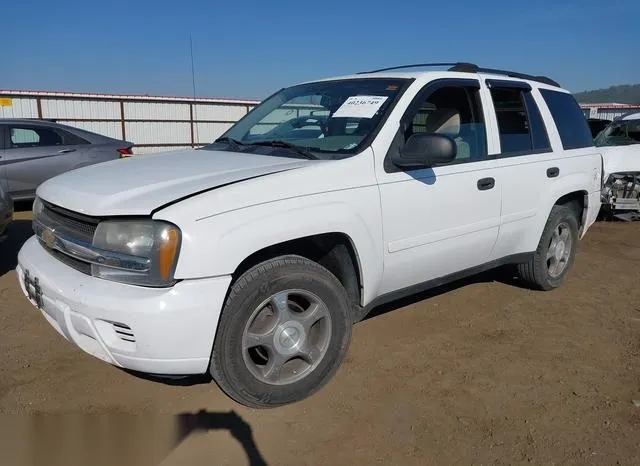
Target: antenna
x: 193, y: 83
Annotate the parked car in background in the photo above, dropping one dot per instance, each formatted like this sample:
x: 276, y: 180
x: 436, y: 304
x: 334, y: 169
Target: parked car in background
x: 6, y: 211
x: 620, y: 145
x: 32, y: 151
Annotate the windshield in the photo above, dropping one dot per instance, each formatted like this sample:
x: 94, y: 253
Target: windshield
x: 328, y: 117
x: 620, y: 133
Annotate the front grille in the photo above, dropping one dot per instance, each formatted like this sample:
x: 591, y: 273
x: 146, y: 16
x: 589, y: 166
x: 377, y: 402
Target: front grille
x: 71, y: 224
x: 76, y: 225
x: 79, y: 265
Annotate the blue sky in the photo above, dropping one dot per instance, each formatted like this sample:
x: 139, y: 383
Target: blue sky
x: 248, y: 49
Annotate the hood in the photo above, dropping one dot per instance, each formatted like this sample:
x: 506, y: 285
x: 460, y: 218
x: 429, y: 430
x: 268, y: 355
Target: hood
x: 620, y: 159
x: 140, y: 184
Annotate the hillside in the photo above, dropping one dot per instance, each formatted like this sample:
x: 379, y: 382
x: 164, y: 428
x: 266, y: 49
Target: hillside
x: 625, y: 94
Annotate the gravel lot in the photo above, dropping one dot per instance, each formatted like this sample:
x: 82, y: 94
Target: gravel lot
x: 481, y: 372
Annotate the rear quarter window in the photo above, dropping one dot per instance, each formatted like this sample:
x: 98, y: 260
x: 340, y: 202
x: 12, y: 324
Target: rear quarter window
x: 569, y: 119
x: 70, y: 139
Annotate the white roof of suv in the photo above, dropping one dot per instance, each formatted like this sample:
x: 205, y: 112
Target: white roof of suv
x: 459, y: 70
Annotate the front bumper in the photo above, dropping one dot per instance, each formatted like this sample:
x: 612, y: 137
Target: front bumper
x: 159, y: 331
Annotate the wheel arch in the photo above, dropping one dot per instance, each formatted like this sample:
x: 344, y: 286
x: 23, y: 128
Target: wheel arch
x: 335, y: 251
x: 570, y: 192
x: 578, y: 201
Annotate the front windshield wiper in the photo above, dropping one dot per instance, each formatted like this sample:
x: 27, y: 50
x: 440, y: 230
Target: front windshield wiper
x: 278, y: 143
x: 235, y: 144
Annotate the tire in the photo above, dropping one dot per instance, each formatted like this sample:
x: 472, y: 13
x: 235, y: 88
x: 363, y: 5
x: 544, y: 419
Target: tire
x: 261, y: 325
x: 538, y: 272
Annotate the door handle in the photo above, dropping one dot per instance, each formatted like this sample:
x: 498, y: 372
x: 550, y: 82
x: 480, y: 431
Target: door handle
x: 486, y: 183
x: 66, y: 151
x: 553, y: 172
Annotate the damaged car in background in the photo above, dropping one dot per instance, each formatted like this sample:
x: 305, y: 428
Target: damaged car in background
x: 620, y: 143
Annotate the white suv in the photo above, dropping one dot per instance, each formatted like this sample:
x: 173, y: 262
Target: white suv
x: 251, y: 257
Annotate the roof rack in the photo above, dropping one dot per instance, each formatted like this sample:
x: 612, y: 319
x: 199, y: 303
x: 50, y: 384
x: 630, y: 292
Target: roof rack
x: 417, y: 65
x: 472, y: 68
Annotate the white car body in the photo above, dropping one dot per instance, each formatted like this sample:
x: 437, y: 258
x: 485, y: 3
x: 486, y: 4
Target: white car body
x: 620, y: 159
x: 407, y: 228
x: 621, y: 170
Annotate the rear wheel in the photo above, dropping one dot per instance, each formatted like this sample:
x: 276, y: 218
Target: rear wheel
x: 556, y: 251
x: 284, y: 331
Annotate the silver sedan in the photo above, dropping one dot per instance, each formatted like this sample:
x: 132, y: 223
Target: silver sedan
x: 32, y: 151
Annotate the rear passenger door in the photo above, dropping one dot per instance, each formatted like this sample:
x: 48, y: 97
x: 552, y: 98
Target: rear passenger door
x: 529, y: 167
x: 35, y: 153
x: 523, y: 158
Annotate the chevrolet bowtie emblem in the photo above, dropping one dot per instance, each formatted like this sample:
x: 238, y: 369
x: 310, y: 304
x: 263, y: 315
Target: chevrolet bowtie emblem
x: 49, y: 238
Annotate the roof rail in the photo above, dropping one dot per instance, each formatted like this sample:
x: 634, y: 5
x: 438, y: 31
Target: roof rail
x: 472, y: 68
x: 417, y: 65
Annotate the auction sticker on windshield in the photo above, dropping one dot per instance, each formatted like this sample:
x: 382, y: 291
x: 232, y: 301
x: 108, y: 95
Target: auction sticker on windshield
x: 360, y: 106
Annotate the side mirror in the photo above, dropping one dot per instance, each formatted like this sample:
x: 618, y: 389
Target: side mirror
x: 424, y: 150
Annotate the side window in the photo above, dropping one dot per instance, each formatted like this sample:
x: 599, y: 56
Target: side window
x: 70, y: 139
x: 25, y: 136
x: 520, y: 124
x: 21, y: 137
x: 570, y: 121
x: 539, y: 136
x: 455, y: 111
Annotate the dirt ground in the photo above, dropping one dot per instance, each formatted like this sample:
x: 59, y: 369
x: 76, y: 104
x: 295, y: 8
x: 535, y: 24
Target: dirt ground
x: 481, y: 372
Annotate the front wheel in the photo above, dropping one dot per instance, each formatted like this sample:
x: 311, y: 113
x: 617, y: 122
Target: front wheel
x: 284, y: 330
x: 555, y: 253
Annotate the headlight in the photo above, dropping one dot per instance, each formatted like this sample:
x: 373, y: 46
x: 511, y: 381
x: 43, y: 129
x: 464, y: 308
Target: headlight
x: 142, y: 252
x: 37, y: 207
x: 36, y: 211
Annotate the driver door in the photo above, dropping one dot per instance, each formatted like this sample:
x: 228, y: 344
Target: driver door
x: 445, y: 219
